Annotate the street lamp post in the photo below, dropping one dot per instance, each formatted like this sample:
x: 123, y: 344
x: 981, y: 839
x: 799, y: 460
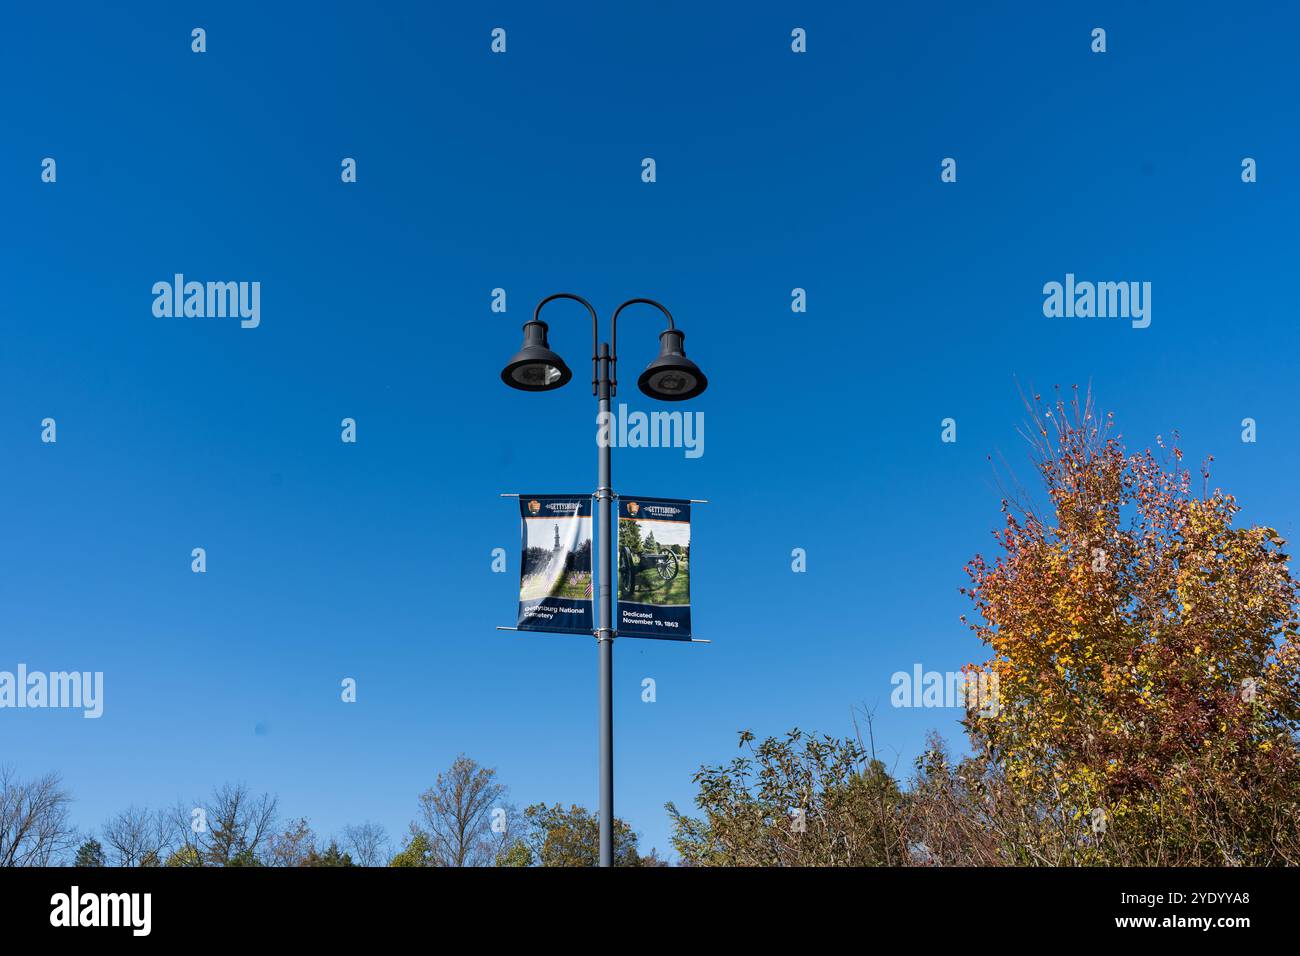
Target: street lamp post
x: 605, y: 632
x: 671, y: 377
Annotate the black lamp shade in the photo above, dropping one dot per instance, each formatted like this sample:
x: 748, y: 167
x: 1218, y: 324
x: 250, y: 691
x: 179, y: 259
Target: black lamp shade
x: 672, y: 377
x: 535, y: 368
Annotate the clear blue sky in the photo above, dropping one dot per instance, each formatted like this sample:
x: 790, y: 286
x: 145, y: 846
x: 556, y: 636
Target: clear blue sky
x: 522, y: 171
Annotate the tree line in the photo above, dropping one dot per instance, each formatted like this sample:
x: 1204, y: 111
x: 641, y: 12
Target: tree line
x: 464, y: 819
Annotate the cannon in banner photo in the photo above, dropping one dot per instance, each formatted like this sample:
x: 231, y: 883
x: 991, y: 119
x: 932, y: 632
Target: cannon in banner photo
x: 662, y: 565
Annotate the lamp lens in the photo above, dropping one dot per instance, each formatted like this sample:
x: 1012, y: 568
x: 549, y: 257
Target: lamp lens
x: 671, y: 382
x: 537, y: 373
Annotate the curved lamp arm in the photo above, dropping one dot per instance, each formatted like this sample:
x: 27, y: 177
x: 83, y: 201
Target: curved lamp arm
x: 594, y: 321
x: 661, y: 308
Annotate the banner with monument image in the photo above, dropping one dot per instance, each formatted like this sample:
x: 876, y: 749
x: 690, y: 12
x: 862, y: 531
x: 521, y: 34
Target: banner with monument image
x: 654, y: 568
x: 555, y: 568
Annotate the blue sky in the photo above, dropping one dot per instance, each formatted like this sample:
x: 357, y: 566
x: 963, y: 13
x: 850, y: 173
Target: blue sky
x: 522, y: 171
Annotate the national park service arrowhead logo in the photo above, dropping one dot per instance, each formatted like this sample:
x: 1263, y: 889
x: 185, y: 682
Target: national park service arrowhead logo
x: 534, y: 506
x: 633, y: 508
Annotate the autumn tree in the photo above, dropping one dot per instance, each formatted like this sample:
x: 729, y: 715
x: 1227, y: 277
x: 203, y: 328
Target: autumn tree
x: 294, y: 846
x: 186, y: 855
x: 796, y: 800
x: 232, y: 829
x: 1145, y: 656
x: 1141, y: 705
x: 416, y: 852
x: 569, y: 836
x: 457, y: 814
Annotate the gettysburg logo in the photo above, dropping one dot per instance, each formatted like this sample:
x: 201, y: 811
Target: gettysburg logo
x: 561, y: 507
x: 661, y: 511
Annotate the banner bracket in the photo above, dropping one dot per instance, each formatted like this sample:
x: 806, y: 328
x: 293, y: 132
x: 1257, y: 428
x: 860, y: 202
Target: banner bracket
x: 521, y: 630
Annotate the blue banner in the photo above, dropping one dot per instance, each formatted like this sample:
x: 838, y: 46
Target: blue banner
x: 654, y: 568
x: 555, y: 591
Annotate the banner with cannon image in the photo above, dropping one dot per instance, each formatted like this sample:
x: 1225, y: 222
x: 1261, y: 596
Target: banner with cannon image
x: 654, y: 568
x: 555, y: 569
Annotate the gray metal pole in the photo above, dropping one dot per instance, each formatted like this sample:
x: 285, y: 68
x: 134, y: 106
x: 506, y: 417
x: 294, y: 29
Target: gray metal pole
x: 605, y: 634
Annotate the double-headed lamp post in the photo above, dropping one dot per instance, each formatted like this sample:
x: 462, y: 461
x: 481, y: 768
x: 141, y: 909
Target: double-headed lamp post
x: 671, y: 377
